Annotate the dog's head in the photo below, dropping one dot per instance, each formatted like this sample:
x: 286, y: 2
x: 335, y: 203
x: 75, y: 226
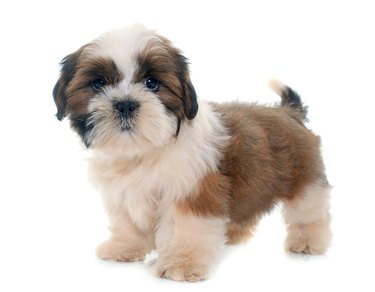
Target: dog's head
x: 128, y: 88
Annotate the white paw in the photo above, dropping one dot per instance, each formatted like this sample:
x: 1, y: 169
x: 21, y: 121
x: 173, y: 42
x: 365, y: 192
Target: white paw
x: 118, y: 251
x: 314, y: 238
x: 181, y: 270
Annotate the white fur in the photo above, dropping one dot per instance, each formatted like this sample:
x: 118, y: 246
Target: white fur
x: 123, y: 45
x: 308, y: 220
x: 193, y: 246
x: 277, y: 86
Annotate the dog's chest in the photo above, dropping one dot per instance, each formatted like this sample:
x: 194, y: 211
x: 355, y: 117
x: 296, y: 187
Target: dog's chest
x: 138, y: 189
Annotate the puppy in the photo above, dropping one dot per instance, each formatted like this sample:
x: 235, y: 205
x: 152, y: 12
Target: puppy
x: 182, y: 176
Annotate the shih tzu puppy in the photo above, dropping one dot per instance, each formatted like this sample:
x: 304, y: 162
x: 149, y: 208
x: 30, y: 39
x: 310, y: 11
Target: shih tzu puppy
x: 182, y: 176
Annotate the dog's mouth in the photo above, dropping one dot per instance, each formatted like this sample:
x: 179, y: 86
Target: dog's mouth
x: 126, y: 125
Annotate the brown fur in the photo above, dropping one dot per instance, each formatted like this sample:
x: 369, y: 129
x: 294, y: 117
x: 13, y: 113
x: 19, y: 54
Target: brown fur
x: 79, y: 90
x: 212, y: 197
x: 166, y: 63
x: 237, y: 233
x: 68, y: 70
x: 271, y: 156
x: 73, y: 89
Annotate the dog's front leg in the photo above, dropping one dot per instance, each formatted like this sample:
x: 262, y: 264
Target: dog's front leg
x: 127, y: 242
x: 188, y: 244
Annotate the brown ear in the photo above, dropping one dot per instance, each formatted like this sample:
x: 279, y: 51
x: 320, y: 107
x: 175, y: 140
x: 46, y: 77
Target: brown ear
x: 189, y: 96
x: 189, y: 99
x: 68, y: 69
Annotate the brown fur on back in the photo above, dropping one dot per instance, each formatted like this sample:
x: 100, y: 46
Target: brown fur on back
x: 271, y: 156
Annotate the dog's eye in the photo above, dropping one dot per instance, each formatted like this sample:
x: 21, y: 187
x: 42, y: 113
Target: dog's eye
x: 152, y: 83
x: 96, y: 84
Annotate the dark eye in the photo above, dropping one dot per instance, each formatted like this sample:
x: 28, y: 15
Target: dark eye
x: 96, y: 84
x: 152, y: 83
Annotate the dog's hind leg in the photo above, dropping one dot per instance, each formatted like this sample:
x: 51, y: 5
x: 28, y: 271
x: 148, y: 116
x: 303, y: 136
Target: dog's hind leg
x: 308, y: 220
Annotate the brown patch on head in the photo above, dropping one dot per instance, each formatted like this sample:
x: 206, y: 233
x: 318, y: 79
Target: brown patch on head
x: 80, y: 89
x: 270, y: 156
x: 165, y: 63
x: 212, y: 197
x: 74, y: 87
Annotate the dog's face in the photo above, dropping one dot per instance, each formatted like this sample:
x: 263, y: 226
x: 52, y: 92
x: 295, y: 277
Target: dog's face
x: 128, y: 90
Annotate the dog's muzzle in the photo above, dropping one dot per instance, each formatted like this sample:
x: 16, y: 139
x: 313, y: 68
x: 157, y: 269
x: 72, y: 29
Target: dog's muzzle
x: 126, y: 111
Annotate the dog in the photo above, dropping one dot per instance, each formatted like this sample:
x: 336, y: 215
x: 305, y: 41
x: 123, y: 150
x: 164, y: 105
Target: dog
x: 182, y: 176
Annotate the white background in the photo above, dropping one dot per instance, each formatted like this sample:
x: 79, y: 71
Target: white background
x: 51, y: 219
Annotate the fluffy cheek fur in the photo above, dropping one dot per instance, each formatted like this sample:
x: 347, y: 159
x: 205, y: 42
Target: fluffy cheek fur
x: 151, y: 127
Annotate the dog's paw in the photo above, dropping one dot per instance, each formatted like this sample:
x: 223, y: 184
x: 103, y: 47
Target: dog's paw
x: 313, y: 238
x: 301, y: 245
x: 181, y: 271
x: 298, y: 246
x: 118, y: 251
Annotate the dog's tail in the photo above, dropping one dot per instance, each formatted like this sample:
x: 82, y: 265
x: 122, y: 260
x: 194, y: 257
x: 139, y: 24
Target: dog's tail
x: 289, y: 97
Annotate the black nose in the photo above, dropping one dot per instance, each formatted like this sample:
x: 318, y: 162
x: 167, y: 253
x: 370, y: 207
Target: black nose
x: 126, y: 108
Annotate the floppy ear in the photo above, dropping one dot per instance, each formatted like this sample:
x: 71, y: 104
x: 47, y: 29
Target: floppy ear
x: 189, y: 97
x: 60, y: 98
x: 68, y: 69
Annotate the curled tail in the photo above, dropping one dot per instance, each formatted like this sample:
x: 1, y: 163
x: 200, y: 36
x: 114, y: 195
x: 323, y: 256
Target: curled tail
x: 289, y: 97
